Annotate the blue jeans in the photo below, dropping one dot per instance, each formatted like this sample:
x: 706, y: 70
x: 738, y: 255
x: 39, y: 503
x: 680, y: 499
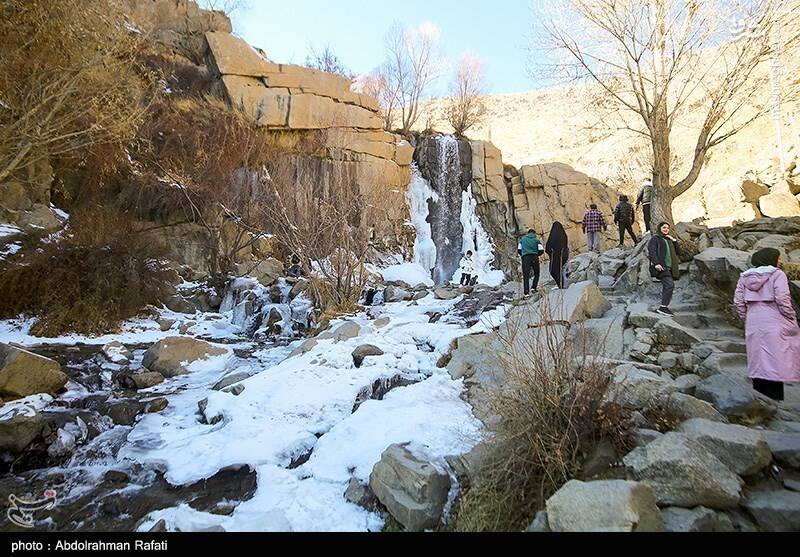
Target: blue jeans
x: 593, y: 241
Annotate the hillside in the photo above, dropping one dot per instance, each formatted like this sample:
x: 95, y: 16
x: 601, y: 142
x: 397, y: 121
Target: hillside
x: 560, y: 124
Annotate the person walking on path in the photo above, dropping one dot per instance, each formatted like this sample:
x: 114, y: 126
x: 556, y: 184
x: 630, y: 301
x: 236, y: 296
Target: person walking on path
x: 763, y: 300
x: 664, y: 264
x: 645, y: 199
x: 467, y: 268
x: 593, y: 223
x: 557, y: 249
x: 624, y: 216
x: 530, y: 249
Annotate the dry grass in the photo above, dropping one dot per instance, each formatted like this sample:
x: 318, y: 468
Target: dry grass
x: 99, y: 272
x: 550, y: 414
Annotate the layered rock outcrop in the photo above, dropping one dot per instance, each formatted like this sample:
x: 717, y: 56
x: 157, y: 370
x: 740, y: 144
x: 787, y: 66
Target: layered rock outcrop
x: 294, y: 99
x: 511, y: 201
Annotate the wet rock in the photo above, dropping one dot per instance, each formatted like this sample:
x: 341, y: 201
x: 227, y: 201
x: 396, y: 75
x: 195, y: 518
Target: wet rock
x: 24, y: 373
x: 202, y: 407
x: 775, y: 511
x: 117, y: 476
x: 413, y: 490
x: 380, y: 388
x: 741, y: 449
x: 174, y: 356
x: 604, y: 506
x: 365, y: 351
x: 699, y: 519
x: 683, y: 473
x: 159, y: 527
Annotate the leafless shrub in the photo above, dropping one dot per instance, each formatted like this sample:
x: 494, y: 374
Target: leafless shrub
x: 550, y: 411
x: 465, y: 108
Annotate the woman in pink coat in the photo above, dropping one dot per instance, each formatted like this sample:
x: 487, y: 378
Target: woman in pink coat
x: 773, y: 336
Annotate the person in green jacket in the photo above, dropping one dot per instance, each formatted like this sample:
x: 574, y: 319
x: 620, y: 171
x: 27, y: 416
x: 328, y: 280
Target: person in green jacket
x: 530, y: 248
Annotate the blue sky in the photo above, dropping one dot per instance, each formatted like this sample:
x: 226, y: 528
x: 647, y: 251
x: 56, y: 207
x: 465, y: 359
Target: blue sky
x: 496, y: 31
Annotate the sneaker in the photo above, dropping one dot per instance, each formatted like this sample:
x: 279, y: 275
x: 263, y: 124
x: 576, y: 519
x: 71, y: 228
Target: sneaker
x: 665, y: 311
x: 656, y: 279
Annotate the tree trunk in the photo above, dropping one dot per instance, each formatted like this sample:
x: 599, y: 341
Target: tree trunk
x: 661, y: 207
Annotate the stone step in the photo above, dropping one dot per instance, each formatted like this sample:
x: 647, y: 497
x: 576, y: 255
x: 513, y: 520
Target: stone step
x: 730, y: 364
x: 702, y: 320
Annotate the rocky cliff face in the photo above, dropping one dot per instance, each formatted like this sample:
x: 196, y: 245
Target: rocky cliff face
x: 294, y: 99
x: 511, y: 201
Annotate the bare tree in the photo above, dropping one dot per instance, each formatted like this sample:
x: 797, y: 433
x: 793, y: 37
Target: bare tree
x: 326, y: 60
x: 378, y: 84
x: 465, y: 108
x: 654, y: 60
x: 414, y: 63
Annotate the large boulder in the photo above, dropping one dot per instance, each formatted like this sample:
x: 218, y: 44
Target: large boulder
x: 735, y: 398
x: 683, y: 473
x: 742, y: 449
x: 266, y: 271
x: 24, y: 373
x: 174, y: 356
x: 346, y: 331
x: 775, y: 511
x: 413, y: 490
x: 604, y: 506
x: 779, y: 204
x: 579, y: 302
x: 722, y: 267
x: 602, y: 336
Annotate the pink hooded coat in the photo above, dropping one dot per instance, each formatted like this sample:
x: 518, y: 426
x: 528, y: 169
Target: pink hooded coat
x: 773, y: 337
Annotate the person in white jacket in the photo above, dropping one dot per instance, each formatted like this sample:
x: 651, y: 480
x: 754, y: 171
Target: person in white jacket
x: 467, y: 268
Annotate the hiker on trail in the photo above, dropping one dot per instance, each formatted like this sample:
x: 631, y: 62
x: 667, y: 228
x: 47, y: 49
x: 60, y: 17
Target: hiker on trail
x: 530, y: 249
x: 593, y: 223
x: 645, y: 199
x: 773, y: 336
x: 467, y: 268
x: 664, y: 264
x: 624, y: 216
x: 558, y: 249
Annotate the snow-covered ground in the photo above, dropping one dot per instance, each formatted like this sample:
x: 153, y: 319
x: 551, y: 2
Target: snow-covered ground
x: 305, y: 404
x: 292, y: 407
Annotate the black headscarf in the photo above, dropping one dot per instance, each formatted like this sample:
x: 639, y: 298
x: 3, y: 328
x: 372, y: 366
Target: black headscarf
x: 766, y: 258
x: 557, y: 240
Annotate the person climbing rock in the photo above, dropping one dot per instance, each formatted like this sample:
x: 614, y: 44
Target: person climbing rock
x: 593, y: 223
x: 645, y: 199
x: 530, y: 249
x: 624, y: 216
x: 467, y: 268
x: 664, y: 264
x: 772, y: 334
x: 557, y: 249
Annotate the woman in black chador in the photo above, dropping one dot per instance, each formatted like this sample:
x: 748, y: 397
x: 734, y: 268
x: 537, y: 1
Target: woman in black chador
x: 557, y: 249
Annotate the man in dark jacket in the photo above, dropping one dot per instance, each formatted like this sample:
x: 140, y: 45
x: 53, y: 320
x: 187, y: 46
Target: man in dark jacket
x: 664, y: 264
x: 624, y: 215
x: 530, y: 248
x: 645, y: 199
